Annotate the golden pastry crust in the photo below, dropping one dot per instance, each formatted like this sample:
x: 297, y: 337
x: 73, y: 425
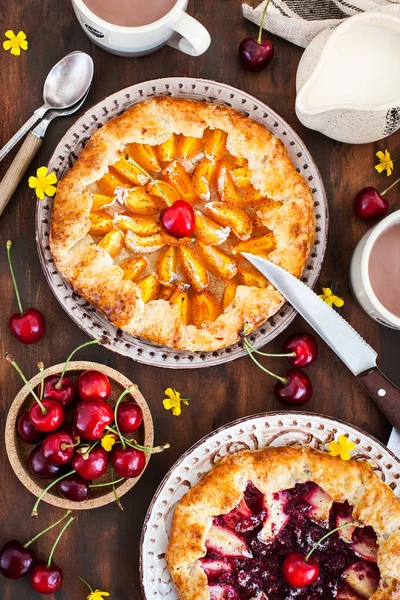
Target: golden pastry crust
x: 95, y: 276
x: 272, y: 470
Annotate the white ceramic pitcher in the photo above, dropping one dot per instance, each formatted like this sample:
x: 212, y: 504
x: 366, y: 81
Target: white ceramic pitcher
x: 348, y: 80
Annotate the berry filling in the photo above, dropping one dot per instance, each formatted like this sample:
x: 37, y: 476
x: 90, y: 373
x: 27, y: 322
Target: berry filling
x: 246, y: 548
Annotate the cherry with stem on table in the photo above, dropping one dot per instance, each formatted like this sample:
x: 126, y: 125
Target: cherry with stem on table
x: 29, y: 325
x: 369, y: 204
x: 256, y: 53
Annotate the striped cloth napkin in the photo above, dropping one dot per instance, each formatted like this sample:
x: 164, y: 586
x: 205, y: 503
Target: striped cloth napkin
x: 299, y: 21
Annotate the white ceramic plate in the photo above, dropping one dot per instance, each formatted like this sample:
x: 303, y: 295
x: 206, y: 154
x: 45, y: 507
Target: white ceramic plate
x: 258, y: 431
x: 92, y: 321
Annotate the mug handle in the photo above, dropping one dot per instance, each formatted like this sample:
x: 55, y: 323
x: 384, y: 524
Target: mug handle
x: 195, y: 38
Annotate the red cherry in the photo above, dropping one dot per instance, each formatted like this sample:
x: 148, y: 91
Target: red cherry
x: 92, y: 466
x: 50, y: 420
x: 46, y: 579
x: 92, y: 417
x: 74, y: 488
x: 129, y: 417
x: 93, y: 385
x: 16, y: 560
x: 128, y: 462
x: 178, y: 219
x: 71, y: 430
x: 369, y: 204
x: 28, y: 327
x: 58, y: 448
x: 306, y: 348
x: 27, y: 432
x: 298, y: 572
x: 40, y: 467
x: 63, y: 392
x: 297, y: 390
x: 255, y: 55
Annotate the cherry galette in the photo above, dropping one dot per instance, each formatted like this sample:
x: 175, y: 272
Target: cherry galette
x: 241, y: 532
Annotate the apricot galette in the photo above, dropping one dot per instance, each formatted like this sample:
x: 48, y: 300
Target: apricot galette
x: 235, y: 533
x: 178, y: 277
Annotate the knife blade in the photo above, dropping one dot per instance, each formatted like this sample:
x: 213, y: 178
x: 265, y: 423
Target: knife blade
x: 351, y: 348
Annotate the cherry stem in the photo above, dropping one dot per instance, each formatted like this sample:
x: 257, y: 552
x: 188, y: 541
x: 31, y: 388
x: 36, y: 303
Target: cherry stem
x: 41, y: 369
x: 114, y: 489
x: 132, y: 443
x: 288, y: 355
x: 96, y: 485
x: 86, y: 583
x: 8, y: 245
x: 151, y: 179
x: 249, y: 351
x: 65, y: 446
x: 58, y: 539
x: 47, y: 529
x: 11, y: 360
x: 58, y: 385
x: 34, y: 512
x: 128, y: 390
x: 327, y: 535
x: 390, y: 187
x: 259, y: 39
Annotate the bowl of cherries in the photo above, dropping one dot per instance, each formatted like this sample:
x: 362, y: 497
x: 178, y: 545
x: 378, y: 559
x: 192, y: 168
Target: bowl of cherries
x: 79, y: 435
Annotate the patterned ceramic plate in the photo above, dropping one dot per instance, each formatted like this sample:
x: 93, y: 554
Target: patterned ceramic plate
x: 258, y: 431
x: 66, y: 153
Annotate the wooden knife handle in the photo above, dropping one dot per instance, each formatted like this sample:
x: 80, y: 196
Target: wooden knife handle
x: 384, y: 392
x: 17, y: 169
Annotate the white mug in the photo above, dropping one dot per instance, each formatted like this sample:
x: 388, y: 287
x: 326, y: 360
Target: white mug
x: 359, y: 274
x: 176, y: 28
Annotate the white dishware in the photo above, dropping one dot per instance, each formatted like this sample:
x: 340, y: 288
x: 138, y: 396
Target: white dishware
x: 93, y: 322
x: 249, y: 433
x: 360, y: 278
x: 348, y: 80
x: 176, y: 28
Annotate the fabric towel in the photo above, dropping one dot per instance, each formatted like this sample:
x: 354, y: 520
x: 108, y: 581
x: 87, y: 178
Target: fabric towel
x: 299, y: 21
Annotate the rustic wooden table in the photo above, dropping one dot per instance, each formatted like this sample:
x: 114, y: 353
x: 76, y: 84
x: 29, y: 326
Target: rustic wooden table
x: 104, y: 546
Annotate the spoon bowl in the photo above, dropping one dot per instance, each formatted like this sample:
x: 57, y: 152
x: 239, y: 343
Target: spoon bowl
x: 68, y: 80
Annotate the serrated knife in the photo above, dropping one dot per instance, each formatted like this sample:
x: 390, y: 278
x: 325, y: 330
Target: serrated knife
x: 351, y: 348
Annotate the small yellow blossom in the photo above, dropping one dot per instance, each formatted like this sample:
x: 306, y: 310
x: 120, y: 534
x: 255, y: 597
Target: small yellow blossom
x: 385, y: 162
x: 342, y: 447
x: 43, y: 183
x: 108, y: 441
x: 97, y: 595
x: 173, y: 401
x: 15, y: 42
x: 329, y: 297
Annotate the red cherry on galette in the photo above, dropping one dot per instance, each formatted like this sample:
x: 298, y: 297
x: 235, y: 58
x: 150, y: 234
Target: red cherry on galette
x: 91, y: 417
x: 27, y: 432
x: 62, y: 390
x: 297, y: 390
x: 58, y: 448
x: 93, y: 385
x: 305, y: 347
x: 298, y: 572
x: 178, y: 220
x: 51, y: 419
x: 370, y: 205
x: 91, y: 466
x: 129, y: 417
x: 128, y: 462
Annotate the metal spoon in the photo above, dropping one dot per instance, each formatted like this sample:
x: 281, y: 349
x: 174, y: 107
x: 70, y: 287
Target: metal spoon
x: 67, y: 82
x: 28, y: 150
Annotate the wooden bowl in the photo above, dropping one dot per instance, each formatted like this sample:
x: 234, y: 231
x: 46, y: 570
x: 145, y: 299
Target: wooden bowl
x: 18, y: 451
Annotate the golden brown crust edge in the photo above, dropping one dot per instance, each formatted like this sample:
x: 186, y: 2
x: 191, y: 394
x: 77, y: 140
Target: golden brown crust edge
x: 271, y: 470
x: 90, y: 269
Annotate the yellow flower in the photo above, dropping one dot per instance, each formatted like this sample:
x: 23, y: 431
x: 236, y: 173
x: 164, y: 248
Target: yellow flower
x: 97, y: 595
x: 15, y: 42
x: 173, y: 401
x: 385, y: 162
x: 108, y: 441
x: 329, y: 297
x: 342, y: 447
x: 43, y: 183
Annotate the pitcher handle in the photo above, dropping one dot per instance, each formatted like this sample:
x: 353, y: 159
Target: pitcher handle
x: 195, y: 38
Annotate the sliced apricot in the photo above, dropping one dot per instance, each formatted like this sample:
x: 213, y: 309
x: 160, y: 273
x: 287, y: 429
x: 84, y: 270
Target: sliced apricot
x: 112, y: 242
x: 188, y: 147
x: 225, y: 186
x: 100, y: 201
x: 258, y: 226
x: 134, y: 267
x: 145, y: 155
x: 179, y: 178
x: 165, y: 292
x: 110, y: 182
x: 253, y: 197
x: 240, y: 161
x: 147, y: 244
x: 261, y: 245
x: 100, y: 223
x: 168, y: 150
x: 217, y: 261
x: 230, y: 216
x: 215, y: 144
x: 241, y: 177
x: 180, y: 298
x: 127, y: 169
x: 193, y: 267
x: 163, y: 190
x: 268, y: 204
x: 252, y: 278
x: 140, y: 224
x: 202, y: 178
x: 208, y: 231
x: 205, y: 307
x: 166, y: 266
x: 139, y: 201
x: 149, y: 286
x: 229, y: 294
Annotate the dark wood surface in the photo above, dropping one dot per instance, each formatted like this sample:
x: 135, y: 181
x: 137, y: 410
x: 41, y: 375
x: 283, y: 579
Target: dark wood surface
x: 103, y: 547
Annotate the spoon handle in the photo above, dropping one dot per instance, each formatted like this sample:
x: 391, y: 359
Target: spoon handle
x: 38, y: 114
x: 17, y: 169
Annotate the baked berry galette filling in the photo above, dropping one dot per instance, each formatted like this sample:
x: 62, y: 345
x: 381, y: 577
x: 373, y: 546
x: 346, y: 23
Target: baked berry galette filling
x: 247, y: 547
